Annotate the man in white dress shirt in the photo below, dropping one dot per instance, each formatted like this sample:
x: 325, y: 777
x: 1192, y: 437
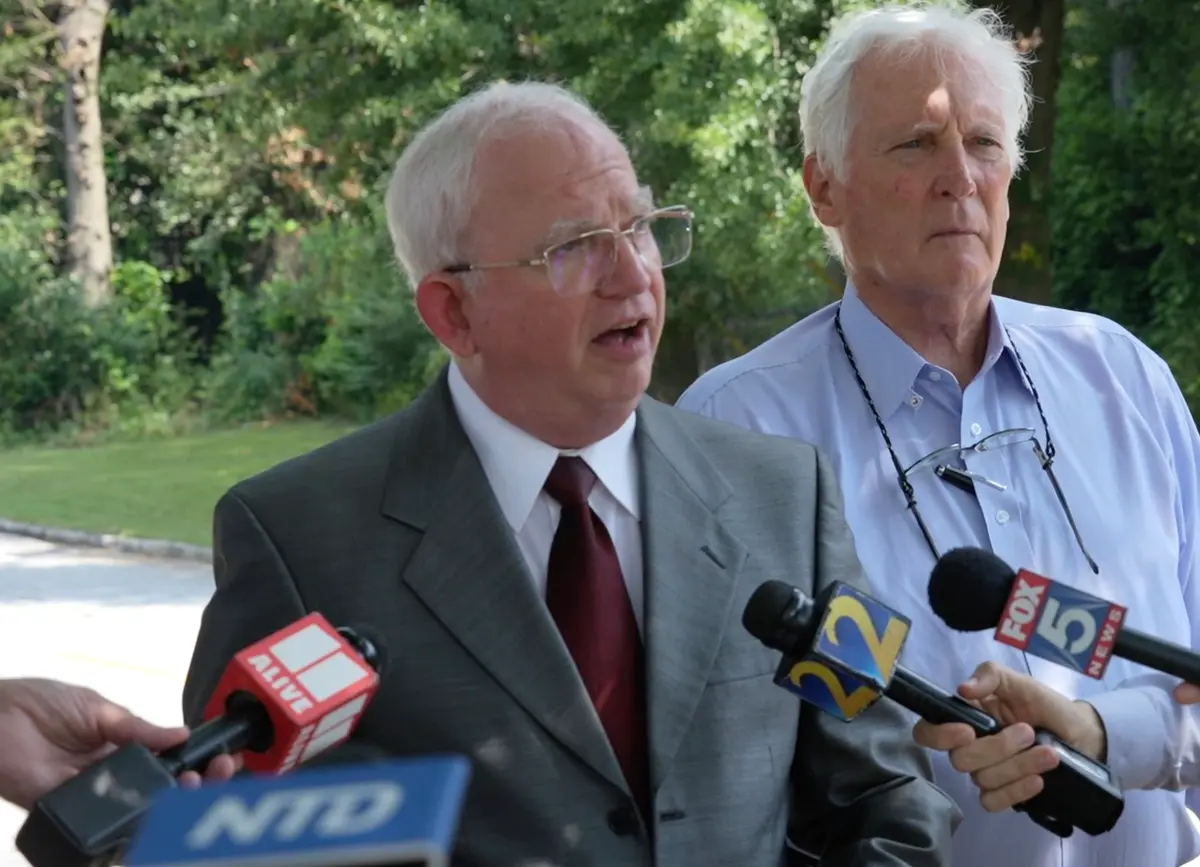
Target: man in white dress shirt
x: 1054, y: 438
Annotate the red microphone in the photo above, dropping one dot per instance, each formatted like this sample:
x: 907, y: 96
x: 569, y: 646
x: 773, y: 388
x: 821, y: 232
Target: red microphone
x: 281, y: 701
x: 289, y: 697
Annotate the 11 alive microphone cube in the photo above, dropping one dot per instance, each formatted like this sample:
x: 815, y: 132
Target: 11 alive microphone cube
x: 853, y: 654
x: 1060, y: 623
x: 319, y: 687
x: 402, y: 813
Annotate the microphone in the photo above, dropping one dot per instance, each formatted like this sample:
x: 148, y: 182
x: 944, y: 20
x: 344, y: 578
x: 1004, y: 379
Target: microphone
x: 845, y: 670
x: 280, y: 701
x: 972, y: 590
x: 397, y: 812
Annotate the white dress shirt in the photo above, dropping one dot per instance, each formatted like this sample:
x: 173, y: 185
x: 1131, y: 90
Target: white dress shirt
x: 1128, y: 460
x: 517, y: 465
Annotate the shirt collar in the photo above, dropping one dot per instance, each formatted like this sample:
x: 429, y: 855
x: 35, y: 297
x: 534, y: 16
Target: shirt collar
x: 517, y: 463
x: 890, y: 367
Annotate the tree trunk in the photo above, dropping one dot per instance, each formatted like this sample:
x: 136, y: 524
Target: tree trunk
x: 1025, y: 272
x: 89, y: 240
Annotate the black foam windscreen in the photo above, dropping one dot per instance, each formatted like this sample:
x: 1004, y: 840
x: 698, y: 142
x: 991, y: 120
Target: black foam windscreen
x: 969, y: 587
x: 765, y: 609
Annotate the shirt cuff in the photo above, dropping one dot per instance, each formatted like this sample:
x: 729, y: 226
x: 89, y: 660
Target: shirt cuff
x: 1135, y: 735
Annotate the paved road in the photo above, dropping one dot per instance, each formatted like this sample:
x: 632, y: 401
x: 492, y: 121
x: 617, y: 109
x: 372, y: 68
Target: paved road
x: 119, y: 624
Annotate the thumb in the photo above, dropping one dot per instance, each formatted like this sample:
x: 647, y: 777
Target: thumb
x: 986, y: 680
x: 118, y: 726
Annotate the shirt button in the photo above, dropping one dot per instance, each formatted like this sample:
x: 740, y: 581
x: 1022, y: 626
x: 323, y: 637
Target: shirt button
x: 935, y: 375
x: 977, y: 429
x: 914, y: 401
x: 1002, y: 517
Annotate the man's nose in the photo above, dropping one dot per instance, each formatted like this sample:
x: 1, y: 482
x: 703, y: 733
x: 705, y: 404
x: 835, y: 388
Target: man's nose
x: 631, y: 274
x: 956, y: 179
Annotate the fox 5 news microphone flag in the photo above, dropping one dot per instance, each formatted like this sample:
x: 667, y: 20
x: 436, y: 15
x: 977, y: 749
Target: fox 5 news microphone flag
x: 401, y: 812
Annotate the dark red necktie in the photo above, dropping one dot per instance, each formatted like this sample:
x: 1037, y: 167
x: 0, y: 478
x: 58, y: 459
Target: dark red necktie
x: 586, y: 595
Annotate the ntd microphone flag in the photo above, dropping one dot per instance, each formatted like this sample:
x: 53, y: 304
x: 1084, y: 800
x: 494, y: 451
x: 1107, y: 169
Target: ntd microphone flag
x: 397, y: 812
x: 853, y: 654
x: 1060, y: 623
x: 313, y: 684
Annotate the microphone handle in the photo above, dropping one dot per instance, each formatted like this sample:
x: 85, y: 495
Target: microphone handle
x: 931, y: 702
x: 1157, y: 654
x: 246, y: 725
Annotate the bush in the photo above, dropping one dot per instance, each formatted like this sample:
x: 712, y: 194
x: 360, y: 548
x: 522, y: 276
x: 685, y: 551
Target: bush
x: 334, y: 332
x: 68, y: 369
x: 51, y: 363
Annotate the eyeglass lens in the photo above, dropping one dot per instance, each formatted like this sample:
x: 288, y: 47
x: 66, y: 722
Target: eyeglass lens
x: 586, y: 262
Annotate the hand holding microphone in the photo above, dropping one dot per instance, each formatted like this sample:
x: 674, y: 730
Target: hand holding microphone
x: 973, y: 590
x: 281, y: 701
x: 845, y: 670
x: 1009, y: 765
x: 53, y: 730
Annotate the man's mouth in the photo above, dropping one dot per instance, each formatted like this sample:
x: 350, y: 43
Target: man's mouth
x: 629, y: 330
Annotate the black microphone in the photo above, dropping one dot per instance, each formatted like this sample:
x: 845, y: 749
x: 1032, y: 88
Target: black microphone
x: 844, y: 671
x: 973, y: 590
x: 268, y: 717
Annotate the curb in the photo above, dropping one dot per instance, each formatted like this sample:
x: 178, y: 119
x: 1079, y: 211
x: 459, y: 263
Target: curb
x: 109, y: 541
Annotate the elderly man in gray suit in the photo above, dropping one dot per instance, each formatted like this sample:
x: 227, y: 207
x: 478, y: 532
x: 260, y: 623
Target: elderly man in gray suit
x: 558, y: 563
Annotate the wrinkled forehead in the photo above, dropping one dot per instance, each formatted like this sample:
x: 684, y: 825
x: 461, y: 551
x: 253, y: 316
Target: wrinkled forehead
x: 924, y: 85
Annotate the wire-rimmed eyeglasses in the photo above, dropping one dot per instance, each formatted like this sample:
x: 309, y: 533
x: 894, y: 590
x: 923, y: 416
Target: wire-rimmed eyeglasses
x: 661, y: 238
x: 939, y: 460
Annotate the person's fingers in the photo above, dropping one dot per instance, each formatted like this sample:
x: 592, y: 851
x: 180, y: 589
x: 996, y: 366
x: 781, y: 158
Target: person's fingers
x: 984, y: 683
x: 117, y: 725
x: 944, y: 738
x: 1187, y: 693
x: 221, y: 768
x: 1009, y: 796
x: 1029, y: 763
x: 992, y: 750
x: 190, y: 780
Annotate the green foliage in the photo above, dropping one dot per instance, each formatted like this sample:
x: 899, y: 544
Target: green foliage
x: 334, y: 332
x: 1126, y: 205
x: 248, y: 145
x: 121, y: 368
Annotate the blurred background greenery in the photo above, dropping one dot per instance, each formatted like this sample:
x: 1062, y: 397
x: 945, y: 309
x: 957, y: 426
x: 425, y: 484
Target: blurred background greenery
x: 228, y: 159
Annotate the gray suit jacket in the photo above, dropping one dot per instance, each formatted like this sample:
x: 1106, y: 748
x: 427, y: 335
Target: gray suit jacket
x: 396, y: 526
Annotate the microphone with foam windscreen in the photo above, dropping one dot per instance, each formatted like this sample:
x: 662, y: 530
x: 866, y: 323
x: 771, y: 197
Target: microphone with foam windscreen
x: 281, y: 701
x: 840, y: 654
x: 973, y: 590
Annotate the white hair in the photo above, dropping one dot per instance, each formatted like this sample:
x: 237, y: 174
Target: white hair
x: 901, y: 31
x: 431, y: 192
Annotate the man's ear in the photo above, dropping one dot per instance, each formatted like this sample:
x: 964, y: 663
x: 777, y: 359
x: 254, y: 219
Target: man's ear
x: 443, y: 303
x: 818, y: 183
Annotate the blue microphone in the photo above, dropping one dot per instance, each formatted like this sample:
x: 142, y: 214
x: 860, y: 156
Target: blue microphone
x: 394, y: 812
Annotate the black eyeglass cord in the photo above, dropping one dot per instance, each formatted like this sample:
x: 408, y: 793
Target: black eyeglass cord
x: 1046, y: 457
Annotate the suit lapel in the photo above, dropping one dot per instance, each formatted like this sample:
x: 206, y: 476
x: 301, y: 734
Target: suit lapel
x: 692, y: 565
x: 469, y: 572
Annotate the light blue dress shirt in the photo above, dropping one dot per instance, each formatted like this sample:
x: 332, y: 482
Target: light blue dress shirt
x: 1127, y: 460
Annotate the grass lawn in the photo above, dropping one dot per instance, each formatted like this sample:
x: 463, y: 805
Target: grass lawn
x: 156, y: 488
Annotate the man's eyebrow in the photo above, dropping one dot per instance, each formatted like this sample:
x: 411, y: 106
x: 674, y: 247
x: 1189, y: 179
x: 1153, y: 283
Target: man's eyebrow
x: 644, y: 200
x: 565, y: 229
x: 914, y: 129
